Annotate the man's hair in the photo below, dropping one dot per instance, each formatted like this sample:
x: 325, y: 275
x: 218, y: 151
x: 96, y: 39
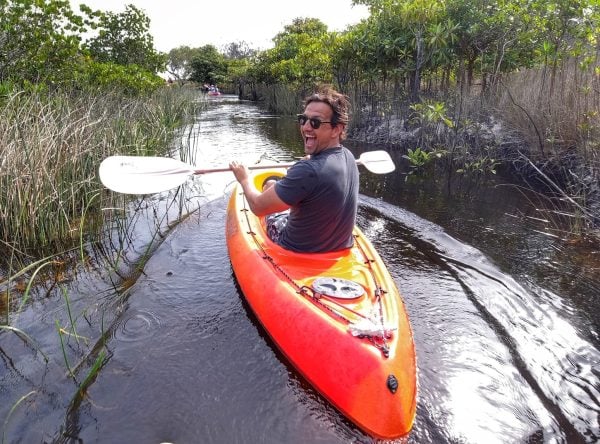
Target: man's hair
x: 338, y: 102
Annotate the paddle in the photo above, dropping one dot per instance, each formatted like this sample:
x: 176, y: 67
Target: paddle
x: 147, y: 175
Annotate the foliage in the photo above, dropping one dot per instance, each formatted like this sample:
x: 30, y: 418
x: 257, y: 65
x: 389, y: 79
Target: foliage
x: 208, y: 66
x: 431, y: 112
x: 464, y: 40
x: 413, y: 43
x: 431, y: 116
x: 302, y: 55
x: 420, y: 158
x: 179, y: 62
x: 237, y: 72
x: 417, y: 157
x: 479, y: 165
x: 39, y: 41
x: 124, y: 39
x: 238, y: 51
x: 42, y: 48
x: 127, y: 79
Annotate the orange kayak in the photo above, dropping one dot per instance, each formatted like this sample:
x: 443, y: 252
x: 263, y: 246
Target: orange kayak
x: 337, y: 317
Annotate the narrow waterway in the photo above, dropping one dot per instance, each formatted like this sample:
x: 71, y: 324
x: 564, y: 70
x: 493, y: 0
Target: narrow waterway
x: 504, y: 314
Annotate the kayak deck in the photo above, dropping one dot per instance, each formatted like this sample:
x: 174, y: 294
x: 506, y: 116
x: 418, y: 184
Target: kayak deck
x: 338, y: 317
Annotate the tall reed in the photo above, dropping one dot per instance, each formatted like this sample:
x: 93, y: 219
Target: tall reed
x: 553, y: 115
x: 51, y: 146
x: 557, y: 114
x: 12, y: 410
x: 280, y: 99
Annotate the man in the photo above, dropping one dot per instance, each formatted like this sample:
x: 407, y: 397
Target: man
x: 321, y: 191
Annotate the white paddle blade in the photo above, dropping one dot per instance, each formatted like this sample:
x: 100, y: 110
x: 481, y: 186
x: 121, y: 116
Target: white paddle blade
x: 142, y: 175
x: 378, y: 162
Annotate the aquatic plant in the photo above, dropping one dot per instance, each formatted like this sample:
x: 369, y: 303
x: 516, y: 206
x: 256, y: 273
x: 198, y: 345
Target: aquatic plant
x: 13, y: 408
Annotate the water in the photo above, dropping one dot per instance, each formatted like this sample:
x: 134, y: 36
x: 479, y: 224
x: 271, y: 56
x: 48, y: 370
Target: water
x: 505, y: 319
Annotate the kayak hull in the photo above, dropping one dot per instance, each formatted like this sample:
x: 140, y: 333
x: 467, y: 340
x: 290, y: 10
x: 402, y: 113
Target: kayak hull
x: 368, y: 375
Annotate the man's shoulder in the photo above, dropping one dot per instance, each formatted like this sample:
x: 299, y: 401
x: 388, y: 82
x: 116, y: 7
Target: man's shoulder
x: 303, y: 167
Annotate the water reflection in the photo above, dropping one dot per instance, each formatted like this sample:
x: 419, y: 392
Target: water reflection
x: 512, y: 366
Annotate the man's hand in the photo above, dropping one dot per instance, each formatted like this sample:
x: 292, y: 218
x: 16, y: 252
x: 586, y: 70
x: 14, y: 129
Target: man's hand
x: 240, y: 171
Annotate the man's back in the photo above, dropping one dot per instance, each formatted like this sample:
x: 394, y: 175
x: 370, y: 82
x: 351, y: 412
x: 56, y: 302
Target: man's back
x: 322, y: 193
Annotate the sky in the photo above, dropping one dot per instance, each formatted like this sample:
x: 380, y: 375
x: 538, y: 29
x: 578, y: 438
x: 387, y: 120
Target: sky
x: 196, y: 23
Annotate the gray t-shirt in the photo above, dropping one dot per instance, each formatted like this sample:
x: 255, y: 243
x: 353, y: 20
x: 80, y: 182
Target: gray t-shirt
x: 323, y: 195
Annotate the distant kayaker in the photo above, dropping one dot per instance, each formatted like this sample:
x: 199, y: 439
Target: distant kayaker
x: 320, y: 191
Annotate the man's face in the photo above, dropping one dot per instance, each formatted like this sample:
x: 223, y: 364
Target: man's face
x: 326, y: 136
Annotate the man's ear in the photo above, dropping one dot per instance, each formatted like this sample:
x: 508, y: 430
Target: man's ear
x: 337, y: 131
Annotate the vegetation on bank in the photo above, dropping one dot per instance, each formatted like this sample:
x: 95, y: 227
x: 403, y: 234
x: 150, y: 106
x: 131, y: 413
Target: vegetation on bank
x: 439, y: 77
x: 46, y: 46
x: 66, y: 102
x: 52, y: 145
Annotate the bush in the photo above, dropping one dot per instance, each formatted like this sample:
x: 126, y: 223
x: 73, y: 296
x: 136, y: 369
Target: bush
x: 128, y: 79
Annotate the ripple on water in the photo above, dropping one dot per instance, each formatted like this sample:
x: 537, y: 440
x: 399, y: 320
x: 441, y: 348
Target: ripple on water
x: 136, y: 326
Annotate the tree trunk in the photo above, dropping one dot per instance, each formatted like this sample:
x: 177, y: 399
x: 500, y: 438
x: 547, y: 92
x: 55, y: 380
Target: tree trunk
x: 416, y: 83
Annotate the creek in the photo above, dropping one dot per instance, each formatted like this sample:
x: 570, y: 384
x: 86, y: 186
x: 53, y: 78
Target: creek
x: 504, y: 315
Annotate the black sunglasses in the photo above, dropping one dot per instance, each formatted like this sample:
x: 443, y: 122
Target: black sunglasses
x: 314, y: 122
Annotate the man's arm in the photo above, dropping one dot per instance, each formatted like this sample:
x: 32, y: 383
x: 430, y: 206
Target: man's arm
x: 263, y: 203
